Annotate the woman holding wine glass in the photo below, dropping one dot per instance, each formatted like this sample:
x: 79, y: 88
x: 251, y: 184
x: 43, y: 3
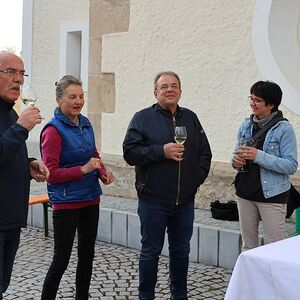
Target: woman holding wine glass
x: 267, y: 158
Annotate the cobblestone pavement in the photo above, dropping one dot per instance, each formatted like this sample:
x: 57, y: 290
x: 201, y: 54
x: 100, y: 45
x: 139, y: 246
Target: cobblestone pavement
x: 115, y: 273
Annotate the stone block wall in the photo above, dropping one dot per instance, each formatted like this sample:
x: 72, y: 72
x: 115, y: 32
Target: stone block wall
x: 218, y: 185
x: 104, y: 17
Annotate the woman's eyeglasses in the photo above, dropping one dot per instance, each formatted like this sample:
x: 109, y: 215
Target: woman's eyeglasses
x: 255, y: 99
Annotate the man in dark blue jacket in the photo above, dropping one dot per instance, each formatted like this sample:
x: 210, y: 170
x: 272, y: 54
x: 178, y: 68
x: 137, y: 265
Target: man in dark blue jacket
x: 16, y: 169
x: 167, y: 178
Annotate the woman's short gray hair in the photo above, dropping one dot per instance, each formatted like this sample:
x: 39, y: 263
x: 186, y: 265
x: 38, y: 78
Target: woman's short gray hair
x: 64, y: 82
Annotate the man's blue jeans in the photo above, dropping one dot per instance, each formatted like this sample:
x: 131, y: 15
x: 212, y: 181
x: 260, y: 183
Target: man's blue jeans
x: 9, y: 243
x: 155, y: 218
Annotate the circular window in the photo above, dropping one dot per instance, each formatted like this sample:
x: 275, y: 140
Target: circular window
x: 276, y: 46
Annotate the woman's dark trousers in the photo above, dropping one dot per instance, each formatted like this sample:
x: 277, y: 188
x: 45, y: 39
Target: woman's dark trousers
x: 65, y: 223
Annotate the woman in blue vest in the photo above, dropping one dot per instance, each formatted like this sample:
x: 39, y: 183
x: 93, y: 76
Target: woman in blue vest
x: 69, y: 151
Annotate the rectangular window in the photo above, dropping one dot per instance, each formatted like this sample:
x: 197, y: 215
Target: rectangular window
x: 73, y: 54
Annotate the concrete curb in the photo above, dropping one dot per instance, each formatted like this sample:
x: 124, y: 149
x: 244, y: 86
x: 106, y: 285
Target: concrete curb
x: 210, y: 245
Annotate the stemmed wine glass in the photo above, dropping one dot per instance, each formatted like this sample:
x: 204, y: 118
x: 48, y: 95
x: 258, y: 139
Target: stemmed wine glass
x: 180, y: 134
x: 28, y: 95
x: 242, y: 142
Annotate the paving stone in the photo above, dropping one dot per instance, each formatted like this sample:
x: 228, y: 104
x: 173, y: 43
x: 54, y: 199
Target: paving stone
x: 165, y: 249
x: 37, y: 215
x: 105, y: 225
x: 229, y: 247
x: 134, y: 235
x: 208, y: 245
x: 116, y: 267
x: 194, y: 244
x: 115, y: 273
x: 119, y: 228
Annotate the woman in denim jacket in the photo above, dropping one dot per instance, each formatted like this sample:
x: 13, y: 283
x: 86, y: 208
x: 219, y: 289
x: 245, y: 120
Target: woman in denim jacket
x: 262, y: 184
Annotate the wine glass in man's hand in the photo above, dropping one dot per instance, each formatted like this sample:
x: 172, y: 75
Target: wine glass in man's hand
x: 180, y: 134
x: 28, y: 95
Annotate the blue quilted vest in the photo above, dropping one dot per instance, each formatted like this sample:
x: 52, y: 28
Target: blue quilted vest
x: 78, y: 146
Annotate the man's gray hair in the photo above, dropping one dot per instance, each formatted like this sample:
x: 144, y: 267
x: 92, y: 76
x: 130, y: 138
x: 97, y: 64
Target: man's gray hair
x: 171, y: 73
x: 4, y: 53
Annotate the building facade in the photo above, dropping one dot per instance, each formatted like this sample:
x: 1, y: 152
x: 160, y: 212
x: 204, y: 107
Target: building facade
x: 218, y: 48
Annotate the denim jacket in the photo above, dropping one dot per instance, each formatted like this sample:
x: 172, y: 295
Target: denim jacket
x: 277, y: 159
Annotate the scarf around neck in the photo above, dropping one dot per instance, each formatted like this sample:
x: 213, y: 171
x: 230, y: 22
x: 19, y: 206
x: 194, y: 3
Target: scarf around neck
x: 262, y: 122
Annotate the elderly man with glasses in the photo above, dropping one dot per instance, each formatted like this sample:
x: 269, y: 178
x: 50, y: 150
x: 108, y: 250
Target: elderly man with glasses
x: 16, y: 169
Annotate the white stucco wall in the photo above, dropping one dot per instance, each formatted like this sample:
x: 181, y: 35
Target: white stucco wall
x: 208, y: 43
x: 48, y: 18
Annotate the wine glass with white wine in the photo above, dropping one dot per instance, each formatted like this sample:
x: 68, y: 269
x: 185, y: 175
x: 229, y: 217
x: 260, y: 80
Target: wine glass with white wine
x: 242, y: 142
x: 28, y: 95
x: 180, y: 134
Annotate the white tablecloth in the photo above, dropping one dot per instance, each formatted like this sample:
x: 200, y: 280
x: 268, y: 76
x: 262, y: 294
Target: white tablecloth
x: 270, y: 272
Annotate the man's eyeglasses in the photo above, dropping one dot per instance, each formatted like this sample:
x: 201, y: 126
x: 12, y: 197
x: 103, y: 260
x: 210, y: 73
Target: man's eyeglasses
x: 13, y: 73
x: 255, y: 99
x: 166, y: 86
